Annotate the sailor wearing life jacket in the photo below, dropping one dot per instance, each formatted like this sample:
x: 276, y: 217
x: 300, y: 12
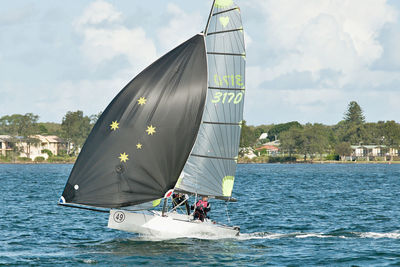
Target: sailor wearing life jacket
x: 202, y: 207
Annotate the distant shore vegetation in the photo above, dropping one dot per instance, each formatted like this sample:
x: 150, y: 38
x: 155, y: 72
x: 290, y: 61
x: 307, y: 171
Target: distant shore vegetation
x: 23, y: 132
x: 350, y: 140
x: 274, y: 143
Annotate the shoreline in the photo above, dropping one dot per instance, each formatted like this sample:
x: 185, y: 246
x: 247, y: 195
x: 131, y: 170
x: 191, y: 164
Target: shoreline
x: 297, y: 162
x: 327, y: 162
x: 35, y: 163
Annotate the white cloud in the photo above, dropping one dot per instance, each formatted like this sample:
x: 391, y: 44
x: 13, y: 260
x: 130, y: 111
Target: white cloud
x: 106, y: 37
x: 316, y: 35
x: 90, y: 96
x: 98, y: 12
x: 265, y: 106
x: 334, y: 44
x: 247, y: 39
x: 180, y: 27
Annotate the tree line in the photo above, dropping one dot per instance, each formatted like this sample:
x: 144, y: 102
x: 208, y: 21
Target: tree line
x: 74, y: 128
x: 309, y: 140
x: 315, y: 139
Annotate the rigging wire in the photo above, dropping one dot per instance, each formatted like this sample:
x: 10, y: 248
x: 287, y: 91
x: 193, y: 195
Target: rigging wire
x: 227, y: 212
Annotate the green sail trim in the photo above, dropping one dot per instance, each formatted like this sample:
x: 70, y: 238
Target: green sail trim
x: 227, y: 185
x: 223, y: 3
x: 156, y: 202
x: 178, y: 183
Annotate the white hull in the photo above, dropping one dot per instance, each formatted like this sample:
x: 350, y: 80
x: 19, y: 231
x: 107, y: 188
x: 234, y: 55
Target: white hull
x: 173, y: 225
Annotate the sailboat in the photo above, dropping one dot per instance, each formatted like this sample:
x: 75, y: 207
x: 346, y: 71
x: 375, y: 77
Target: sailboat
x: 175, y: 128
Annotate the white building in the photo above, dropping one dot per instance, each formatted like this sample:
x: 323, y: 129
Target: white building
x: 5, y: 144
x: 52, y: 143
x: 373, y: 151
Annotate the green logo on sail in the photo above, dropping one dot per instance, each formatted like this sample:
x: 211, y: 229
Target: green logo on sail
x: 227, y: 185
x: 224, y: 21
x: 223, y: 3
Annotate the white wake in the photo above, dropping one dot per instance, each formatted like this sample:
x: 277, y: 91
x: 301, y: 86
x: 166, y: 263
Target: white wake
x: 267, y: 235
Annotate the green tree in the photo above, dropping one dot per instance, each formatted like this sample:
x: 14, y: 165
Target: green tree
x: 354, y: 114
x: 50, y: 128
x: 391, y: 135
x: 291, y: 140
x: 246, y: 136
x: 28, y: 129
x: 19, y: 125
x: 343, y: 149
x: 22, y: 126
x: 315, y: 140
x: 94, y: 118
x: 76, y: 127
x: 352, y: 128
x: 274, y: 132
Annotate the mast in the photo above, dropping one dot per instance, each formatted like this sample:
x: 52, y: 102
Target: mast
x: 209, y: 18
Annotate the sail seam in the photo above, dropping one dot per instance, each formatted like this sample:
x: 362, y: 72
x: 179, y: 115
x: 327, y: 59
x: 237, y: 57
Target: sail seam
x: 225, y: 88
x: 226, y: 54
x: 211, y: 157
x: 228, y: 10
x: 234, y: 30
x: 222, y: 123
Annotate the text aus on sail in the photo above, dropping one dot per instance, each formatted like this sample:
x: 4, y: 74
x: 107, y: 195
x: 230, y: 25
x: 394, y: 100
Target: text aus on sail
x: 228, y: 81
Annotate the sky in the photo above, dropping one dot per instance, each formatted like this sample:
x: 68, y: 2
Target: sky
x: 306, y: 60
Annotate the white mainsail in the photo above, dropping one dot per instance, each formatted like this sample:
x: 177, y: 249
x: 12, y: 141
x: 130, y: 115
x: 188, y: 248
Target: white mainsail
x: 211, y: 166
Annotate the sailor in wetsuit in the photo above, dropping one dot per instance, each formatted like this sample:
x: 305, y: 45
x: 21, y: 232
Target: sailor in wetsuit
x: 202, y: 207
x: 179, y: 198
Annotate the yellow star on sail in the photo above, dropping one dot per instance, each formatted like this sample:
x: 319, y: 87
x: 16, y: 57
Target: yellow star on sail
x: 141, y: 101
x: 139, y: 146
x: 114, y: 125
x: 151, y: 130
x: 123, y: 157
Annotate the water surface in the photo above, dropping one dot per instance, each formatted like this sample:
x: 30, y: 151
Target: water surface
x: 290, y: 215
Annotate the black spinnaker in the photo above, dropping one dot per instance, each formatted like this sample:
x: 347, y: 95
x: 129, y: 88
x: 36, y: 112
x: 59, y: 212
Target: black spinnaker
x: 140, y: 144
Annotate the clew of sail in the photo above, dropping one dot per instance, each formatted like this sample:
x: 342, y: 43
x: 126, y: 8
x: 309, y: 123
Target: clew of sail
x: 139, y: 145
x: 211, y: 166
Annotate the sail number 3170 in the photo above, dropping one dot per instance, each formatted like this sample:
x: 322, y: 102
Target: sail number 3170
x: 227, y: 98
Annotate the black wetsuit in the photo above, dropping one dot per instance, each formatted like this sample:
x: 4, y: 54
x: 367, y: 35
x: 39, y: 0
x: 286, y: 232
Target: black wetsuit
x: 202, y: 207
x: 176, y: 200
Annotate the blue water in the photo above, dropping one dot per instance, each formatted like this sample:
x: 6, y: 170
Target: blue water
x: 290, y: 215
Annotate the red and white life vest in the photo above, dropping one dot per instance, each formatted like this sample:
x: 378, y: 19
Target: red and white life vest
x: 201, y: 204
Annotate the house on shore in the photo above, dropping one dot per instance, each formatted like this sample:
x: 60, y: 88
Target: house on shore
x: 270, y: 149
x: 52, y: 143
x: 367, y: 151
x: 5, y: 144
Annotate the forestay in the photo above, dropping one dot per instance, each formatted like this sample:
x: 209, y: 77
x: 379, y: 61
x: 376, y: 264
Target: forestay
x: 211, y: 166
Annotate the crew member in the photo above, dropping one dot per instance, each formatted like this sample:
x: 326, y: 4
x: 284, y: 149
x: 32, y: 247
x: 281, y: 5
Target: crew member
x: 178, y: 199
x: 202, y: 207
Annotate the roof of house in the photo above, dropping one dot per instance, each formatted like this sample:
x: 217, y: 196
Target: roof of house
x: 5, y: 137
x: 42, y: 138
x: 268, y: 147
x: 49, y: 139
x: 368, y: 146
x: 54, y: 139
x: 273, y: 143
